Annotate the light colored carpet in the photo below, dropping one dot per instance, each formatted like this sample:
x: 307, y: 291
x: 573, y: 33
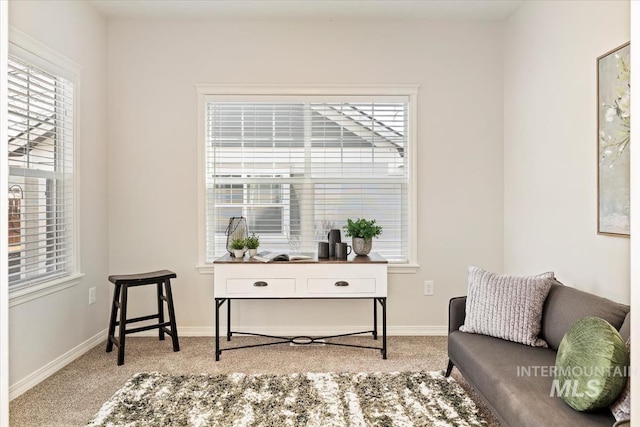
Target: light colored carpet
x: 401, y: 399
x: 74, y: 394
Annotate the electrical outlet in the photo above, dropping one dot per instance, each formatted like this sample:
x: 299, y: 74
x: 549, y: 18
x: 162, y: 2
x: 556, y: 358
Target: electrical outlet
x: 92, y: 295
x: 428, y: 287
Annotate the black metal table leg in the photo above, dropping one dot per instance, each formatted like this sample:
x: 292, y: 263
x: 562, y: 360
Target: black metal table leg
x: 375, y: 319
x: 228, y: 320
x: 383, y: 302
x: 218, y: 303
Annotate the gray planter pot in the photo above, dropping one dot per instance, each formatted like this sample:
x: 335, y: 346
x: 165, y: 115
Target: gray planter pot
x: 361, y: 246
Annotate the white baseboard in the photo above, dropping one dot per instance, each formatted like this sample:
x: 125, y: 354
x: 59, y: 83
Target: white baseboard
x: 55, y: 365
x: 404, y: 331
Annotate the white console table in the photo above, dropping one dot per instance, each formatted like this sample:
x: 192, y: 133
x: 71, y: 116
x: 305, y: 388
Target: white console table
x: 358, y: 277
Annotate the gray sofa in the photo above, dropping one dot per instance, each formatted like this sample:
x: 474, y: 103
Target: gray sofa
x: 496, y: 369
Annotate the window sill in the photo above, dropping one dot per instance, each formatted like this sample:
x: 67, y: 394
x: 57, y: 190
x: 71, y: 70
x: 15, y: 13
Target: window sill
x: 205, y: 268
x: 402, y: 268
x: 29, y: 293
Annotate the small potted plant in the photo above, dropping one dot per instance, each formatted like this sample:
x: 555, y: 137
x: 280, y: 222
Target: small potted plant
x: 237, y: 245
x: 252, y: 242
x: 362, y: 231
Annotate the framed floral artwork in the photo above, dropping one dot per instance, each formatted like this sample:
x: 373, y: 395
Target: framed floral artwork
x: 613, y: 142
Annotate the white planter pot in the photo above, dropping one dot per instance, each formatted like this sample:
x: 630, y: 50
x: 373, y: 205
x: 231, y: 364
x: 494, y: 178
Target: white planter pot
x: 253, y: 252
x: 361, y: 246
x: 238, y: 253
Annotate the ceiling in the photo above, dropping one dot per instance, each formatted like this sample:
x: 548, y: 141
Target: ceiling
x: 429, y: 10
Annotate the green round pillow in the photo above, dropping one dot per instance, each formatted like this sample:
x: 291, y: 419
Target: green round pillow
x: 591, y: 365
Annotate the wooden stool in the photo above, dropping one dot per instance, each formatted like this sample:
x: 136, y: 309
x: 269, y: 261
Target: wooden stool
x: 123, y: 283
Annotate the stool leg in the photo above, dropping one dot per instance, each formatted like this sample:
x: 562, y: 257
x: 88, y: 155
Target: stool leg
x: 123, y: 322
x: 160, y: 310
x: 172, y: 315
x: 112, y: 319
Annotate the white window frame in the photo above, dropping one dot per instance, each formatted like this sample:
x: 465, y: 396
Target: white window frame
x: 4, y: 183
x: 234, y: 91
x: 40, y: 55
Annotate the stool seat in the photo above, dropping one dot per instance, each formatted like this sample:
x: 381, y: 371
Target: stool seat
x: 122, y: 284
x: 142, y: 278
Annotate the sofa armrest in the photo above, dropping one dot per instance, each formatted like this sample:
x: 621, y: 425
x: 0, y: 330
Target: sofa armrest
x: 457, y: 313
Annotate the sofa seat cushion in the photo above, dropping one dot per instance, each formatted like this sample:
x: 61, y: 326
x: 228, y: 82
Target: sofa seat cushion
x: 516, y: 381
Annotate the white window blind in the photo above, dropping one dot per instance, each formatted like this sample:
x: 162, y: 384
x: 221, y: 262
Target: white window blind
x: 40, y: 130
x: 297, y: 168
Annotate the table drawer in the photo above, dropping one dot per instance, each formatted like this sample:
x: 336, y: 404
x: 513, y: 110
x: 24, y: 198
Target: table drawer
x: 261, y: 287
x: 340, y: 286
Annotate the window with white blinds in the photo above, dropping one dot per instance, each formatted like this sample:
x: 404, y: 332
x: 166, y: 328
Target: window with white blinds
x: 298, y: 166
x: 40, y: 144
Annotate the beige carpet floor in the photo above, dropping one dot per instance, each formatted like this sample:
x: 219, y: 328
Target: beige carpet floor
x: 74, y: 394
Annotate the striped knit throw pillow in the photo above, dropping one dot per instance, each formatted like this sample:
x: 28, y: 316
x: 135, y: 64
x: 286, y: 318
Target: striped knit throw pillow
x: 507, y: 307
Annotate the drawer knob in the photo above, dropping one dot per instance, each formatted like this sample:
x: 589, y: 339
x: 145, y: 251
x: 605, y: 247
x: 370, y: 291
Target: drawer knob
x: 260, y: 284
x: 342, y: 283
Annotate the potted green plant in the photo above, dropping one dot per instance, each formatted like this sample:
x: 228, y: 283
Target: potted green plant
x: 237, y: 245
x: 362, y: 231
x: 252, y: 242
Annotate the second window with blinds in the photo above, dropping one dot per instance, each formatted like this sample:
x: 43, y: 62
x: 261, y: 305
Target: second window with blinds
x: 41, y: 184
x: 297, y: 166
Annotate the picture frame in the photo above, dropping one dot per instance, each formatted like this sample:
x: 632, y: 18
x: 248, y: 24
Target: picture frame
x: 613, y: 142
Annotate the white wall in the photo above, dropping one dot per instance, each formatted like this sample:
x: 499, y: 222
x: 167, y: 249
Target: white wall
x: 550, y: 143
x: 635, y: 207
x: 153, y: 145
x: 43, y: 331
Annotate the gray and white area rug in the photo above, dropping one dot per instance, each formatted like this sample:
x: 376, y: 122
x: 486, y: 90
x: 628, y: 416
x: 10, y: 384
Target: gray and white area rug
x: 309, y: 399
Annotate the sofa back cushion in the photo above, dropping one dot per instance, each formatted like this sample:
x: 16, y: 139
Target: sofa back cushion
x: 625, y: 329
x: 507, y: 307
x: 565, y: 305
